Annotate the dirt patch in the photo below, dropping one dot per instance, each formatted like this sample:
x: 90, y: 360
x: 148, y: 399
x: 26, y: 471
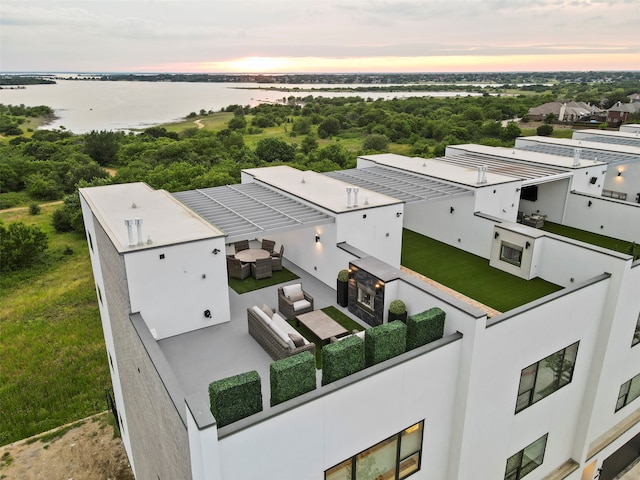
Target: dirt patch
x: 85, y: 450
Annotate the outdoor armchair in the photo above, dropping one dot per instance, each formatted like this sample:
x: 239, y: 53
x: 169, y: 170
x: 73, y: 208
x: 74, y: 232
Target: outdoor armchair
x: 241, y: 245
x: 292, y: 301
x: 237, y: 269
x: 276, y: 259
x: 268, y: 245
x: 262, y: 268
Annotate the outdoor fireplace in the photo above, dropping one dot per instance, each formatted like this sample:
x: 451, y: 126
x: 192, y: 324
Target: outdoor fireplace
x: 366, y: 289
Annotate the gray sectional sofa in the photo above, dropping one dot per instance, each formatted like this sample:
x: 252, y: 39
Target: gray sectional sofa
x: 272, y: 331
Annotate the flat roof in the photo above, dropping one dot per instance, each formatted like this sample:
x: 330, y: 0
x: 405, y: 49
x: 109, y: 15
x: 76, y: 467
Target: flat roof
x: 603, y: 152
x: 318, y: 189
x: 247, y: 210
x: 438, y: 168
x: 164, y: 220
x: 406, y: 186
x: 605, y: 136
x: 529, y: 163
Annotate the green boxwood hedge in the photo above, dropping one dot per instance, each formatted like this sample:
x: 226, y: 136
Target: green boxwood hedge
x: 342, y: 359
x: 384, y: 342
x: 234, y: 398
x: 292, y: 377
x: 425, y: 327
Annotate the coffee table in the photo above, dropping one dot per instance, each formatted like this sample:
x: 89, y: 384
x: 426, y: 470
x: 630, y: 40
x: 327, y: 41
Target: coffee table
x: 321, y: 325
x: 251, y: 255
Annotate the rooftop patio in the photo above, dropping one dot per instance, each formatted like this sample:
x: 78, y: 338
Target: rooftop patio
x: 198, y: 358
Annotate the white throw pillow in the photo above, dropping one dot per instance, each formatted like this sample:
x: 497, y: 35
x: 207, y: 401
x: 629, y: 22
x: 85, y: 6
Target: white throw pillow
x: 262, y: 315
x: 300, y: 305
x: 290, y: 289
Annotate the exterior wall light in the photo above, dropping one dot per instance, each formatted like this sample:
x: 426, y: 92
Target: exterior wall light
x: 215, y: 251
x: 317, y: 237
x: 398, y: 214
x: 496, y: 235
x: 619, y: 173
x: 590, y: 203
x: 451, y: 209
x: 527, y: 245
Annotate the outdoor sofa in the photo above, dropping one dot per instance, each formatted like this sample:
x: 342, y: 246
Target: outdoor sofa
x: 278, y: 338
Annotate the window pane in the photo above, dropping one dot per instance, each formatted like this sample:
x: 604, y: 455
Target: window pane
x: 377, y: 461
x: 527, y: 378
x: 523, y: 401
x: 634, y: 389
x: 570, y: 354
x: 339, y: 472
x: 411, y: 440
x: 409, y: 465
x: 533, y: 455
x: 546, y: 381
x: 513, y: 465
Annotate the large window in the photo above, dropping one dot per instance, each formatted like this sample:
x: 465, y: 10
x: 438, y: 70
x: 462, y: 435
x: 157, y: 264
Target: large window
x: 546, y: 376
x: 526, y: 460
x: 511, y: 253
x: 629, y: 391
x: 636, y: 334
x: 395, y: 458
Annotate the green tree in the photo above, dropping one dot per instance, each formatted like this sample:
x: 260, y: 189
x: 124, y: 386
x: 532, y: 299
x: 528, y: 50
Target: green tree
x: 302, y: 126
x: 309, y: 144
x: 102, y: 146
x: 329, y: 126
x: 378, y: 143
x: 275, y: 150
x: 20, y: 245
x: 544, y: 130
x: 511, y: 131
x: 238, y: 122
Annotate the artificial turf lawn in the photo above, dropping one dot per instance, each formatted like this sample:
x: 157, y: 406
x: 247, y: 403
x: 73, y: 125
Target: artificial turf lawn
x: 588, y: 237
x: 469, y: 274
x: 249, y: 284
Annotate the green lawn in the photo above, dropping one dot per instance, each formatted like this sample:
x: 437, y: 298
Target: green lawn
x: 469, y: 274
x: 54, y: 367
x: 249, y: 284
x: 588, y: 237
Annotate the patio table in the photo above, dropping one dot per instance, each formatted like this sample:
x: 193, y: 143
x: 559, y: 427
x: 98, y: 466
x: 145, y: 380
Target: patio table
x: 321, y: 324
x: 251, y: 255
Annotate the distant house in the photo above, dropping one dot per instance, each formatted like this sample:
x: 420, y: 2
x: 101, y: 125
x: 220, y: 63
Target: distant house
x: 620, y: 112
x: 564, y: 111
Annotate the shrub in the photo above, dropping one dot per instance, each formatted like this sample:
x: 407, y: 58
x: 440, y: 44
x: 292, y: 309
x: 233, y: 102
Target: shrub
x: 20, y: 245
x: 384, y: 342
x: 544, y: 130
x: 425, y: 327
x: 34, y: 209
x: 397, y: 307
x: 343, y: 275
x: 342, y: 359
x: 292, y: 376
x: 234, y: 398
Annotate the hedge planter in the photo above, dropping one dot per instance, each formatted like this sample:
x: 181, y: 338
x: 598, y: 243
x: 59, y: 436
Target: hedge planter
x: 397, y: 311
x: 234, y: 398
x: 342, y: 288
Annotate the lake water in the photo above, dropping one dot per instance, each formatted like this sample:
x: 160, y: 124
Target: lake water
x: 82, y: 106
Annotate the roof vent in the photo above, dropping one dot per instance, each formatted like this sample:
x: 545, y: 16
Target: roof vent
x: 129, y: 223
x: 482, y: 174
x: 133, y: 205
x: 138, y: 222
x: 355, y: 196
x: 576, y: 157
x: 348, y: 197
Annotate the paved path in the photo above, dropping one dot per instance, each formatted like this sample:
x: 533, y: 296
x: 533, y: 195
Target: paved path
x: 470, y: 301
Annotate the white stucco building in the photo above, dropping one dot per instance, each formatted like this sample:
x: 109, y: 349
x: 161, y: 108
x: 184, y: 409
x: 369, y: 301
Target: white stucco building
x: 546, y: 390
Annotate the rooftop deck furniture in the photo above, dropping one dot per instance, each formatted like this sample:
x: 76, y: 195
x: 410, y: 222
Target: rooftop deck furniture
x: 534, y: 220
x: 270, y: 333
x: 241, y: 245
x: 237, y: 269
x: 321, y: 325
x: 268, y: 245
x: 261, y: 268
x: 250, y: 255
x: 276, y: 259
x: 292, y: 301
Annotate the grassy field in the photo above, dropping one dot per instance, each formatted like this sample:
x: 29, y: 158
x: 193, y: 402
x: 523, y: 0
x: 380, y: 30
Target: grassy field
x: 470, y: 274
x: 54, y: 365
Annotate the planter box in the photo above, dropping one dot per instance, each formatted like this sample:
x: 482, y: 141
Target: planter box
x: 343, y: 293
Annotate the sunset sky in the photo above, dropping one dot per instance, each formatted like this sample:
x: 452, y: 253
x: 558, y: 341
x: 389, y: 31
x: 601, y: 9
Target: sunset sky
x: 221, y: 36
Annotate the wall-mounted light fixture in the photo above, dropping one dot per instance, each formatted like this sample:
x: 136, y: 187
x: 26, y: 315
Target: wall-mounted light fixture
x: 619, y: 173
x: 589, y: 203
x: 398, y: 214
x: 451, y: 209
x: 527, y: 245
x: 207, y: 314
x: 215, y: 251
x: 317, y: 237
x: 496, y: 234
